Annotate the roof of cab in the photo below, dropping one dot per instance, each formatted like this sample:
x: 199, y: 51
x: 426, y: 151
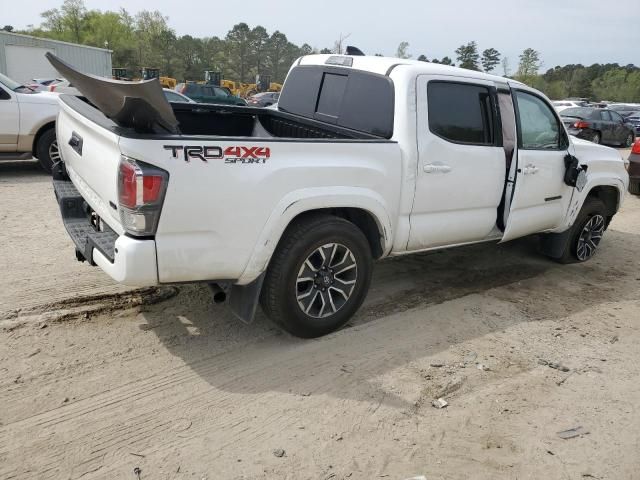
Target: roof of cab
x: 383, y: 66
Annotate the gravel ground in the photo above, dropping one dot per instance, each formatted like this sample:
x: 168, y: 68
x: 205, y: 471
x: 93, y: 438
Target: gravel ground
x: 520, y: 348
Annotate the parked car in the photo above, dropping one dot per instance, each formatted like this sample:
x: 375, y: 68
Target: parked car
x: 561, y: 105
x: 27, y: 123
x: 625, y: 110
x: 173, y: 96
x: 634, y: 169
x: 634, y: 120
x: 290, y: 207
x: 41, y: 84
x: 598, y: 125
x: 203, y: 93
x: 63, y: 85
x: 263, y: 99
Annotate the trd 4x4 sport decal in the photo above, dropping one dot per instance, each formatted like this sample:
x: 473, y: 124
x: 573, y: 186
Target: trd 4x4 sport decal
x: 239, y: 154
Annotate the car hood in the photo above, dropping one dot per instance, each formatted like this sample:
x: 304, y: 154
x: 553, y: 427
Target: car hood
x: 48, y: 98
x: 586, y: 150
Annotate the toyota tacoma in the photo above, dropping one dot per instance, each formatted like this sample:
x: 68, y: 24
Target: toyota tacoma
x: 364, y: 158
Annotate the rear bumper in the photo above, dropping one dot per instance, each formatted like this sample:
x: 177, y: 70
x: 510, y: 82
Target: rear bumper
x: 127, y: 260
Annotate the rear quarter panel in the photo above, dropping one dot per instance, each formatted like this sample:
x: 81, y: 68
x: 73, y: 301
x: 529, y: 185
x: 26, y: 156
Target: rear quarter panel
x: 222, y: 219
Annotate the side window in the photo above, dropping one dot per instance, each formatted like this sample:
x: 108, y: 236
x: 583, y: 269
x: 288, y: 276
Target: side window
x: 461, y: 113
x: 173, y: 97
x: 604, y: 115
x: 220, y: 92
x: 616, y: 117
x: 539, y: 128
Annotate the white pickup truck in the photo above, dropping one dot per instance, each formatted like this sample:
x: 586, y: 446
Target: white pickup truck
x: 364, y: 158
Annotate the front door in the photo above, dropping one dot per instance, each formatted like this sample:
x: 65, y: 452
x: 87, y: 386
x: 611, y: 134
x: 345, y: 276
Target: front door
x: 620, y: 129
x: 607, y: 127
x: 9, y: 120
x: 461, y: 163
x: 540, y: 198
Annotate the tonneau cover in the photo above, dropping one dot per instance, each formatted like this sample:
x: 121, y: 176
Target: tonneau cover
x: 138, y: 105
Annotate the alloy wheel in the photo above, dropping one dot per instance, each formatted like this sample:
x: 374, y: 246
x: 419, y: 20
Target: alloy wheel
x: 54, y: 152
x: 629, y: 141
x: 590, y: 237
x: 326, y: 280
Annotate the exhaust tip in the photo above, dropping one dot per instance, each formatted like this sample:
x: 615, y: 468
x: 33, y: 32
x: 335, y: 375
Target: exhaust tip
x: 219, y: 297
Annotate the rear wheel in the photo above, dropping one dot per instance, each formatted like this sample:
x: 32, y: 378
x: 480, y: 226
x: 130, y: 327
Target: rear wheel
x: 596, y: 137
x: 47, y: 150
x: 586, y: 233
x: 318, y: 277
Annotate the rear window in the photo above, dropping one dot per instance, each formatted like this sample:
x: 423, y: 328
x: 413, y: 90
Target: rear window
x: 461, y: 113
x: 345, y: 97
x: 577, y: 112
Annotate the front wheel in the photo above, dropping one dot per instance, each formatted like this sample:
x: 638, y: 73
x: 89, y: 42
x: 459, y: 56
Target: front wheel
x: 628, y: 141
x: 586, y: 233
x: 318, y: 277
x: 47, y: 150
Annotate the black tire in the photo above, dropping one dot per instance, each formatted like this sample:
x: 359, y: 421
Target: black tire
x: 47, y: 150
x: 634, y: 188
x: 596, y: 138
x: 284, y: 288
x: 628, y: 141
x: 593, y: 210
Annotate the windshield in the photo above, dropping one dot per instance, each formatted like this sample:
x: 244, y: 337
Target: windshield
x: 7, y: 82
x: 578, y: 112
x: 13, y: 85
x: 620, y: 108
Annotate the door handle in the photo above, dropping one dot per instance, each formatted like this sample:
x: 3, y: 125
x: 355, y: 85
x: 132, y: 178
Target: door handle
x: 436, y: 168
x: 530, y: 169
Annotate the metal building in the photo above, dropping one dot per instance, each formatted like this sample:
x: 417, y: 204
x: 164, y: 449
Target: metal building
x: 22, y: 57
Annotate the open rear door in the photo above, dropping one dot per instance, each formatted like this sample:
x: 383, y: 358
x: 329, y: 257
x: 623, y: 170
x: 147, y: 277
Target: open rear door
x: 536, y: 196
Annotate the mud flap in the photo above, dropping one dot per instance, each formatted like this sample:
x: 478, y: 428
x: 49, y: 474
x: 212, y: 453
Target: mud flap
x: 243, y: 299
x: 554, y: 244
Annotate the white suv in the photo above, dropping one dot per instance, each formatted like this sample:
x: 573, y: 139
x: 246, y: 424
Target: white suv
x: 27, y: 123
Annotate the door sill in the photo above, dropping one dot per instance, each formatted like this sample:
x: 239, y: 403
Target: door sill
x: 492, y: 238
x: 15, y: 156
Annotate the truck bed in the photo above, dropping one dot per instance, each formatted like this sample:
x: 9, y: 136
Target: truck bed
x: 229, y: 121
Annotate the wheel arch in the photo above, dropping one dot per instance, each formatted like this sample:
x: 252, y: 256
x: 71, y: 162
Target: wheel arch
x: 364, y: 209
x: 609, y: 195
x: 39, y: 134
x: 361, y: 218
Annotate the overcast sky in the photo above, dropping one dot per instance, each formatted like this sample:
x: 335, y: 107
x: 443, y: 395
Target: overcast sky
x: 563, y: 31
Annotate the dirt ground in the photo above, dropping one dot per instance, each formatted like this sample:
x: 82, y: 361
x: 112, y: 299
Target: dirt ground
x: 520, y: 347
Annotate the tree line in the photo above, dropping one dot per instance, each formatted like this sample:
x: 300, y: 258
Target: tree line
x: 146, y: 40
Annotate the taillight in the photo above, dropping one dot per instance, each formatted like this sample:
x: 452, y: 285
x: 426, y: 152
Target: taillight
x: 582, y: 125
x: 52, y: 88
x: 141, y: 189
x: 636, y: 147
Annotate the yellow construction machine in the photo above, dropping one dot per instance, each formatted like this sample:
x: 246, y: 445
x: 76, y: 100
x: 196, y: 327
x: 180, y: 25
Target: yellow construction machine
x: 166, y: 82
